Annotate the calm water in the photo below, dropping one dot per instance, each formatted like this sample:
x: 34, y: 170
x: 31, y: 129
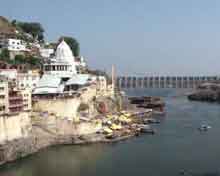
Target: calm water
x: 177, y: 145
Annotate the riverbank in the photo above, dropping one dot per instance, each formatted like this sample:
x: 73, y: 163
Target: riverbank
x: 41, y: 139
x: 51, y: 131
x: 209, y: 92
x: 50, y: 128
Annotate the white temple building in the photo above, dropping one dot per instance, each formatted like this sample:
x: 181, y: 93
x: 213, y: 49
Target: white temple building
x: 60, y: 71
x: 63, y: 63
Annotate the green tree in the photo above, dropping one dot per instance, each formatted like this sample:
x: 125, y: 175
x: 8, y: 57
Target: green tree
x: 33, y: 61
x: 14, y: 23
x: 33, y: 28
x: 19, y: 59
x: 5, y: 55
x: 73, y: 43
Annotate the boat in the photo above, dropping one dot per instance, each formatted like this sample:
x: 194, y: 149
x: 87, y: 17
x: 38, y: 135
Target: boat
x: 204, y: 128
x: 150, y: 120
x: 146, y: 129
x: 111, y: 136
x: 107, y: 130
x: 115, y: 127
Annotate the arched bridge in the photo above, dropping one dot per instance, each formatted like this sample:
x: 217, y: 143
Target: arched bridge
x: 164, y: 81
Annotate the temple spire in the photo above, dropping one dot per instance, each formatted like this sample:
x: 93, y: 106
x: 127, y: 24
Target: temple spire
x: 64, y: 53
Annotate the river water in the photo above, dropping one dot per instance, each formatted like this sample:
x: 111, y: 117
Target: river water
x: 177, y: 146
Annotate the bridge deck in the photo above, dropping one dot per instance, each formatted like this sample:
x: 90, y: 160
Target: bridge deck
x: 164, y: 82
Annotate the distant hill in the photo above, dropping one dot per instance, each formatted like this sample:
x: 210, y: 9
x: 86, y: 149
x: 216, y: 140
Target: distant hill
x: 6, y: 27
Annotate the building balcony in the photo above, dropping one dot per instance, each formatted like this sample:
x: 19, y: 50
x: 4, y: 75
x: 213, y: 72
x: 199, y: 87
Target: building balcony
x: 15, y: 98
x: 12, y: 102
x: 15, y: 105
x: 15, y: 110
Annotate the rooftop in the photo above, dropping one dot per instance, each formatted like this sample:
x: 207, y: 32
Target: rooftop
x: 78, y: 79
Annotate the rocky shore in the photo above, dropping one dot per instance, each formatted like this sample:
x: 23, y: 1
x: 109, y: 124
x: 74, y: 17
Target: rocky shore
x: 209, y: 92
x: 40, y: 139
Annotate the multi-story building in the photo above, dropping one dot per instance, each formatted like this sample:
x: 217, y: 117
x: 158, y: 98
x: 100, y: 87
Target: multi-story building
x: 3, y: 95
x: 28, y: 80
x: 22, y: 80
x: 27, y: 101
x: 14, y: 116
x: 13, y: 44
x: 11, y: 74
x: 13, y: 100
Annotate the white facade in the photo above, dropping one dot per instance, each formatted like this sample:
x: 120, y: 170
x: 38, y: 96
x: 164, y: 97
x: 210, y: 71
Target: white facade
x: 46, y: 53
x: 15, y: 45
x: 24, y: 80
x: 27, y: 101
x: 3, y: 96
x: 9, y: 73
x: 28, y: 80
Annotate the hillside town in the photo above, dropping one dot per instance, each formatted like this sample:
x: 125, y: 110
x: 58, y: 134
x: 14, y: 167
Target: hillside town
x: 25, y: 89
x: 49, y: 95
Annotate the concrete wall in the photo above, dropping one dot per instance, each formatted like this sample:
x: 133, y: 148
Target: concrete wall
x: 60, y: 106
x: 14, y: 126
x: 62, y: 126
x: 67, y: 107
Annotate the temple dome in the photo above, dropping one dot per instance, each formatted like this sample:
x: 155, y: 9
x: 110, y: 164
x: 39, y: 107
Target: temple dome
x: 64, y: 53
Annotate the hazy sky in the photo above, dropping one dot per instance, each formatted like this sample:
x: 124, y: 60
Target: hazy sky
x: 155, y: 37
